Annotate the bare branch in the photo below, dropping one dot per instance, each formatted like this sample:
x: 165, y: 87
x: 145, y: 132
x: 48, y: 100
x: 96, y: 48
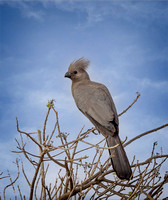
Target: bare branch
x: 12, y: 182
x: 76, y: 174
x: 145, y: 133
x: 35, y: 176
x: 138, y: 95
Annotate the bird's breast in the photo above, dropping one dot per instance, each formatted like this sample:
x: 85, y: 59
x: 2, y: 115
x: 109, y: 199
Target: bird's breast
x: 81, y: 96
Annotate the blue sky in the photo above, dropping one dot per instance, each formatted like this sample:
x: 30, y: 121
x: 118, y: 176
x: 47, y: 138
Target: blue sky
x: 126, y: 43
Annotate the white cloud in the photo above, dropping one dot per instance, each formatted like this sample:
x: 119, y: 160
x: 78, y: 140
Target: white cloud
x: 96, y: 11
x: 33, y: 14
x: 40, y: 98
x: 26, y: 9
x: 161, y: 85
x: 146, y: 83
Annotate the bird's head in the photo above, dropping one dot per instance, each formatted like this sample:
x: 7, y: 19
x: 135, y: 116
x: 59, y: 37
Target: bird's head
x: 77, y: 70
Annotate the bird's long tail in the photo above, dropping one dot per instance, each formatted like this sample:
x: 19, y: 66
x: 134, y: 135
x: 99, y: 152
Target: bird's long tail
x: 119, y: 158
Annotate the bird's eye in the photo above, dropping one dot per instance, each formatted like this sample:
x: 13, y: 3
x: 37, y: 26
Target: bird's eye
x: 75, y: 72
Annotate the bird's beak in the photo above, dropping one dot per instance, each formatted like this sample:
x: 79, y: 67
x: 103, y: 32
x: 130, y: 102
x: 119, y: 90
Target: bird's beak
x: 67, y: 75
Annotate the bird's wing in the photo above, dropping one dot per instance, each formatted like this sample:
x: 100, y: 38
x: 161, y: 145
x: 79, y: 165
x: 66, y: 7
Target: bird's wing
x: 99, y: 107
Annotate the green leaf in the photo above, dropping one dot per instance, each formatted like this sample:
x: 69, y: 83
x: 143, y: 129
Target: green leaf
x: 129, y: 193
x: 86, y: 157
x: 48, y: 105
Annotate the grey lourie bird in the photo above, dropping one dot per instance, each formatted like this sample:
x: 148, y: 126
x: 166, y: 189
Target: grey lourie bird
x: 95, y: 102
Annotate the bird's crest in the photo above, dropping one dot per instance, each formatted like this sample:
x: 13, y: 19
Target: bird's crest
x: 80, y: 63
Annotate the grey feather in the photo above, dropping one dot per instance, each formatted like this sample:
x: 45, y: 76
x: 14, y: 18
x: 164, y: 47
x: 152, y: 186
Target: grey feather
x: 80, y: 63
x: 95, y: 102
x: 119, y: 158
